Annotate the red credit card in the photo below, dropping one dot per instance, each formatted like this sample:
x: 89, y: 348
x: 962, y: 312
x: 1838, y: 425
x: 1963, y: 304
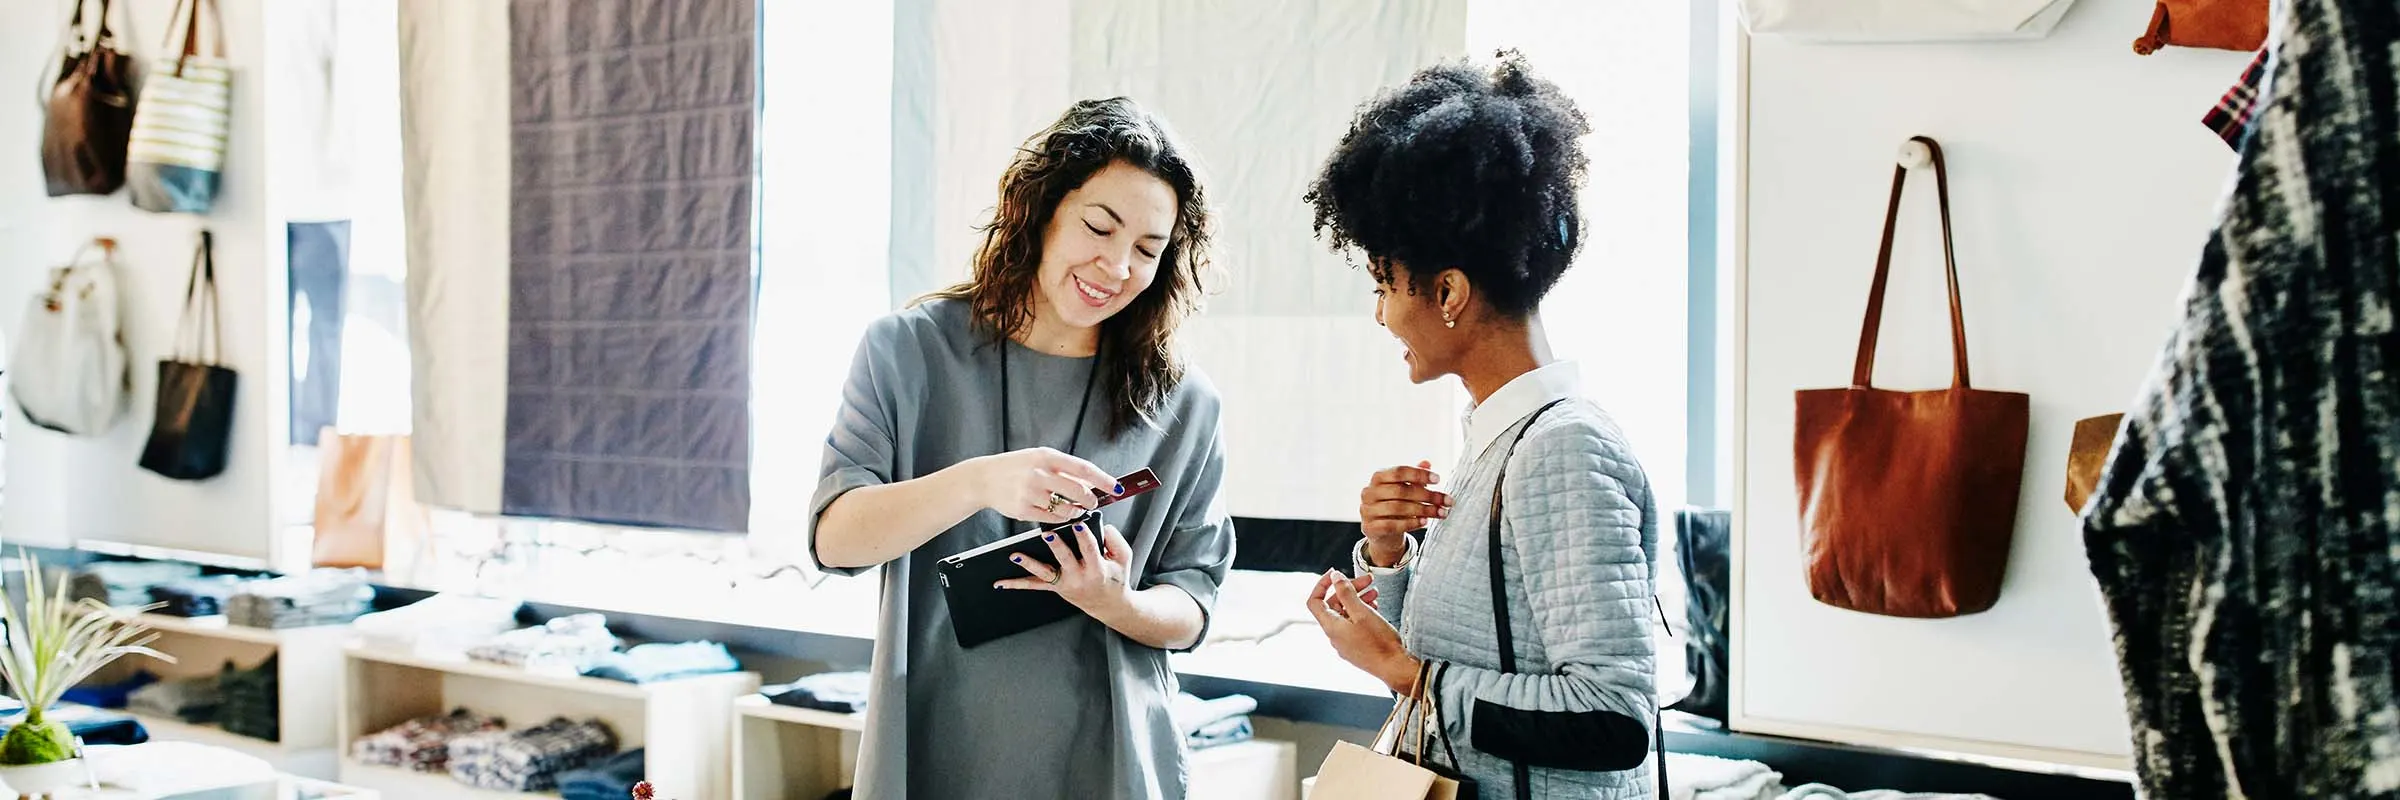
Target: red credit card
x: 1140, y: 481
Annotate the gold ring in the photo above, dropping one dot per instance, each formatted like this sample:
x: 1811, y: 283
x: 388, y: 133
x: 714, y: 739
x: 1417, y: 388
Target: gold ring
x: 1055, y: 499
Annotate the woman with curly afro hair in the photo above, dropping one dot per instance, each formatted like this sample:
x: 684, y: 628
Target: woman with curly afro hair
x: 1459, y: 189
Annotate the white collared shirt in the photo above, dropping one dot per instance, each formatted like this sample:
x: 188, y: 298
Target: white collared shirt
x: 1484, y: 422
x: 1524, y: 395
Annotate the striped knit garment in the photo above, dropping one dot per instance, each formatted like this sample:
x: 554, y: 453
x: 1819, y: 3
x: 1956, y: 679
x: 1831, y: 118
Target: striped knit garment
x: 2244, y: 533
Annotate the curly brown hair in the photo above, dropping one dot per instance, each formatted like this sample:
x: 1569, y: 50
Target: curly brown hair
x: 1138, y: 362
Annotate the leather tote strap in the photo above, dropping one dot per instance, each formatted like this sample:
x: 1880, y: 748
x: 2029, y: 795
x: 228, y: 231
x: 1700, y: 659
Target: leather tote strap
x: 1500, y: 623
x: 206, y: 343
x: 1862, y: 373
x: 189, y: 12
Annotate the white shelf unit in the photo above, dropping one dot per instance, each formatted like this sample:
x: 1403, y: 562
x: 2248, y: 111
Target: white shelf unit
x: 781, y: 752
x: 1259, y: 769
x: 786, y: 753
x: 307, y: 662
x: 685, y: 724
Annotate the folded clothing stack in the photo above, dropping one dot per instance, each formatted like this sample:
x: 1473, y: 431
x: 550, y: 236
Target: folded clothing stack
x: 195, y: 597
x: 650, y: 663
x: 247, y: 701
x: 126, y: 583
x: 108, y: 695
x: 319, y: 597
x: 187, y: 699
x: 421, y: 744
x: 569, y: 644
x: 1212, y: 723
x: 90, y: 725
x: 838, y: 692
x: 529, y: 760
x: 612, y: 779
x: 445, y: 623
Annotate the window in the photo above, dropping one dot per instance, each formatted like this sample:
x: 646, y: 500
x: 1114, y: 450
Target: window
x: 1622, y: 311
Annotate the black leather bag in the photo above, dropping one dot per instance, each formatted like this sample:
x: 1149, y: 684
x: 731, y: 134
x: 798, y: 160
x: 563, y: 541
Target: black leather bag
x: 88, y: 112
x: 1704, y: 548
x: 193, y: 427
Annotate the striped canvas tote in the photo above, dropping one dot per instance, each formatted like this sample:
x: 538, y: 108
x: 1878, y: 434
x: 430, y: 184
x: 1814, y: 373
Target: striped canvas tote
x: 179, y: 129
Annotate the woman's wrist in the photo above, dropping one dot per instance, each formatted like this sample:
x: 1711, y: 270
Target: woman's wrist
x: 962, y: 484
x: 1399, y: 673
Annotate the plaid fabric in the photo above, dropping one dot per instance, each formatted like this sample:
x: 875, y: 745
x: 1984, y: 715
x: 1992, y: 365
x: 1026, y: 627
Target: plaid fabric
x: 2233, y: 112
x: 421, y: 744
x: 529, y: 760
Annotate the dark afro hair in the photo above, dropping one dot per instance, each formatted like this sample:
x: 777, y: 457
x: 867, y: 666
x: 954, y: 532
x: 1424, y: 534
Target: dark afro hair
x: 1461, y: 168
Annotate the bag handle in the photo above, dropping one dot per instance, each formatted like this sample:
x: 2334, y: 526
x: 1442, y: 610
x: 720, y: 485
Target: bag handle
x: 189, y: 12
x: 1862, y: 373
x: 71, y: 42
x: 1433, y: 713
x: 206, y: 347
x: 1500, y: 622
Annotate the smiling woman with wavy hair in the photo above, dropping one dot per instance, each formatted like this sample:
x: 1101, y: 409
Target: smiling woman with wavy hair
x: 971, y: 415
x: 1008, y: 289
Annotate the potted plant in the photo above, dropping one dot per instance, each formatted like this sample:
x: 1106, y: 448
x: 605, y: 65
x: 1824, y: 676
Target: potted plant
x: 54, y: 644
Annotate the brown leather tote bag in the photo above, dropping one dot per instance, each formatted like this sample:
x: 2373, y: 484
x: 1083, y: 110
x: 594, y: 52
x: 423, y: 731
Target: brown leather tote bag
x: 1908, y: 499
x: 2215, y: 24
x: 89, y: 112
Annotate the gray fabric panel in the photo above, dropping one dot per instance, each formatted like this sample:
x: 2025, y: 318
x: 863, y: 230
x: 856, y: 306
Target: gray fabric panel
x: 631, y: 276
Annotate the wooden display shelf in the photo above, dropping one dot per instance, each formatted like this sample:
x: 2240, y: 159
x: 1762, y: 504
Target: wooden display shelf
x: 686, y: 725
x: 783, y: 752
x: 394, y: 782
x: 307, y: 664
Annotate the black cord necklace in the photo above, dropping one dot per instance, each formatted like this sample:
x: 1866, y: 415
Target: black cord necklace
x: 1073, y: 438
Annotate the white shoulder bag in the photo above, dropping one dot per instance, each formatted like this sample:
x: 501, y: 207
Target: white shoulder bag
x: 68, y: 370
x: 1903, y: 20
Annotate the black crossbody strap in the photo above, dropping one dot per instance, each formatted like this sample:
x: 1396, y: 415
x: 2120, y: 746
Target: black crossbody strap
x: 1500, y: 621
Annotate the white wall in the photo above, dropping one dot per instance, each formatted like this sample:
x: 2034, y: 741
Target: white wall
x: 63, y: 489
x: 2083, y: 185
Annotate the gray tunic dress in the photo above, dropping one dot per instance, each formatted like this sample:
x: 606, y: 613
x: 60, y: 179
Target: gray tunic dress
x: 1071, y: 709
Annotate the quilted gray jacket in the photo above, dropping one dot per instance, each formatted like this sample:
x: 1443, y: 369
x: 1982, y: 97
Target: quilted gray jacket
x: 1579, y: 542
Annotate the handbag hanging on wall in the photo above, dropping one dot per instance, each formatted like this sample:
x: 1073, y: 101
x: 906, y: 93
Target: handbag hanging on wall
x: 2214, y: 24
x: 178, y: 146
x: 1908, y: 500
x: 68, y: 369
x: 193, y: 426
x: 366, y: 501
x: 88, y: 112
x: 1908, y: 21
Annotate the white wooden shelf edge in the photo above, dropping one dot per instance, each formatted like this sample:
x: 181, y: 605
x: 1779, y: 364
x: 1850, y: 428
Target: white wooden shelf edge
x: 221, y: 628
x: 461, y: 665
x: 402, y: 784
x: 759, y: 707
x: 172, y: 729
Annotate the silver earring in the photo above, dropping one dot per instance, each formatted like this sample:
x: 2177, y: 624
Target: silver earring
x: 1449, y: 323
